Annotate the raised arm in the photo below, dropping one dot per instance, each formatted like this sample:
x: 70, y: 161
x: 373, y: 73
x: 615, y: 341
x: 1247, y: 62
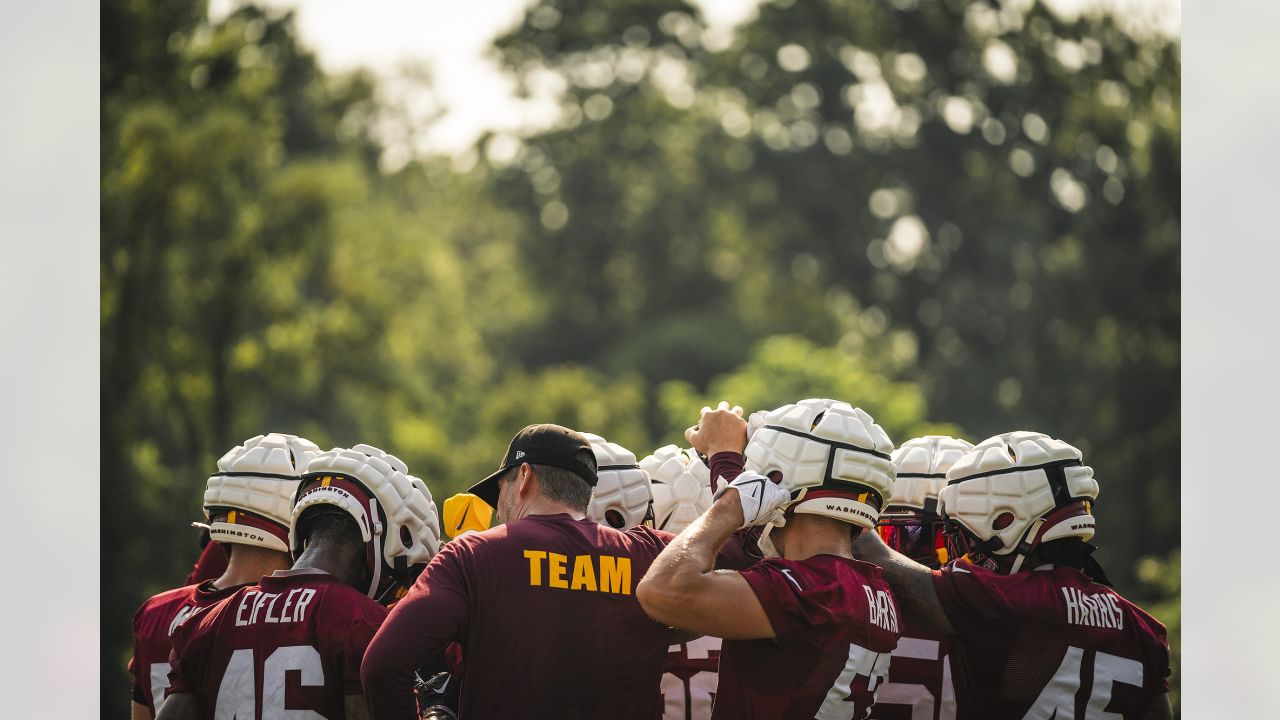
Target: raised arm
x: 682, y: 588
x: 912, y: 582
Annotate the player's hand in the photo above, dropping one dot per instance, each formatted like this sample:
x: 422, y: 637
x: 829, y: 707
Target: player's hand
x: 719, y: 430
x: 762, y: 499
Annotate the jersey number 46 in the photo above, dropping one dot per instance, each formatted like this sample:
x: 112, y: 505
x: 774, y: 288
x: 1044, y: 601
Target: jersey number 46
x: 237, y: 694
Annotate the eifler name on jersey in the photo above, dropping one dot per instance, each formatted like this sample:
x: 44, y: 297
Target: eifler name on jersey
x: 259, y: 607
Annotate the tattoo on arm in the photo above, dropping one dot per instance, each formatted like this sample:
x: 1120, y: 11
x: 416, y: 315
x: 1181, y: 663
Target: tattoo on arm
x: 912, y: 582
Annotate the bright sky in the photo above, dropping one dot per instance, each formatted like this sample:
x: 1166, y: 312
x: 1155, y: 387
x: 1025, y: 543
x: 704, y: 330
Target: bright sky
x: 452, y: 38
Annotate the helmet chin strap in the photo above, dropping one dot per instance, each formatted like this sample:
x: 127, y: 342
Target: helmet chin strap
x: 375, y: 544
x: 1023, y: 548
x: 766, y: 543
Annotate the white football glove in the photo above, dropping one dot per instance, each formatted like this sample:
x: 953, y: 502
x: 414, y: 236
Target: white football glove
x: 762, y: 499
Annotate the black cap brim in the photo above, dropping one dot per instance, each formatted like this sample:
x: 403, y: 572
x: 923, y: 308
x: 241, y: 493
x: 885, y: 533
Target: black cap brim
x: 487, y: 489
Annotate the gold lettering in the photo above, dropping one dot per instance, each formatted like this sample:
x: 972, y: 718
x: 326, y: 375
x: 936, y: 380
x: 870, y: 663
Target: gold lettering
x: 615, y: 574
x: 535, y: 565
x: 584, y: 575
x: 555, y: 573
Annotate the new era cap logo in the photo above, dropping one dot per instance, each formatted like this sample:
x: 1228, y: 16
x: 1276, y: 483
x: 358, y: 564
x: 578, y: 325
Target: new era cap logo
x: 519, y: 454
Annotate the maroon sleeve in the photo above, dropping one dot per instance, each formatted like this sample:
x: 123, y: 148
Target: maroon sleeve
x: 970, y: 597
x: 725, y: 466
x: 1156, y: 639
x: 790, y: 608
x: 187, y: 657
x: 433, y: 614
x: 352, y: 641
x: 735, y: 554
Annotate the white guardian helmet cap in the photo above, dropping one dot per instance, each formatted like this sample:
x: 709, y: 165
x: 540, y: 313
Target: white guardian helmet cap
x: 922, y: 465
x: 621, y: 498
x: 394, y: 511
x: 681, y: 487
x: 1015, y: 491
x: 247, y: 500
x: 833, y: 458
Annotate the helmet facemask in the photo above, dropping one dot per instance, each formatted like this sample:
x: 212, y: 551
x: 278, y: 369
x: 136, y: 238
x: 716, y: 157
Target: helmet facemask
x: 920, y: 535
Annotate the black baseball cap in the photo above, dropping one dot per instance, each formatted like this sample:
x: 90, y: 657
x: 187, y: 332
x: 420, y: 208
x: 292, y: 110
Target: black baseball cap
x: 544, y: 444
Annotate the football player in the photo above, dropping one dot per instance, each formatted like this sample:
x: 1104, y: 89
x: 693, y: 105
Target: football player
x: 808, y: 631
x: 682, y: 492
x: 549, y: 590
x: 362, y: 528
x: 247, y: 505
x: 919, y: 685
x: 1037, y: 630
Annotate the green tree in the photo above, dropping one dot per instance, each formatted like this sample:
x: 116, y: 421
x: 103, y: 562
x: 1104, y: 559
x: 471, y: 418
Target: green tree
x: 990, y: 185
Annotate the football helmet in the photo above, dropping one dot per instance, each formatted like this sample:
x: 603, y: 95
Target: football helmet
x: 247, y: 500
x: 681, y: 486
x: 464, y: 513
x: 833, y: 459
x: 621, y: 498
x: 1013, y: 492
x: 397, y: 518
x: 910, y: 522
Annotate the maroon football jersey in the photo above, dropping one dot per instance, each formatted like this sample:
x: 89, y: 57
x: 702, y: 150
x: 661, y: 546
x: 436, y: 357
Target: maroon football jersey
x: 1049, y: 644
x: 919, y: 685
x: 289, y: 645
x: 689, y: 679
x: 835, y: 622
x: 153, y: 626
x: 545, y: 610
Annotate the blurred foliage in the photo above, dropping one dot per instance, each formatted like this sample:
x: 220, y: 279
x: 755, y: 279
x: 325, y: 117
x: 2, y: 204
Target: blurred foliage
x: 961, y: 215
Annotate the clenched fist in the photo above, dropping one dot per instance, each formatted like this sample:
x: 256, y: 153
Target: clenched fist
x: 719, y: 430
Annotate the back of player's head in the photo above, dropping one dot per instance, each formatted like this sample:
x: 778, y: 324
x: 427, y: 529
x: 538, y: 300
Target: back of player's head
x: 398, y: 524
x: 247, y: 499
x: 1013, y: 492
x: 832, y: 456
x: 911, y: 522
x: 621, y: 498
x: 681, y: 485
x: 331, y: 526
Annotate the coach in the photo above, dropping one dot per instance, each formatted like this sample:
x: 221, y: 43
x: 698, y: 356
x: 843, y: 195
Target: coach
x: 543, y: 605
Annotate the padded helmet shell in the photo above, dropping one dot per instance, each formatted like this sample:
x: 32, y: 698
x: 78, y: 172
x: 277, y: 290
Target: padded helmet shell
x: 621, y: 497
x: 397, y: 517
x: 251, y: 492
x: 681, y: 485
x: 1001, y: 491
x: 922, y: 465
x: 833, y: 457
